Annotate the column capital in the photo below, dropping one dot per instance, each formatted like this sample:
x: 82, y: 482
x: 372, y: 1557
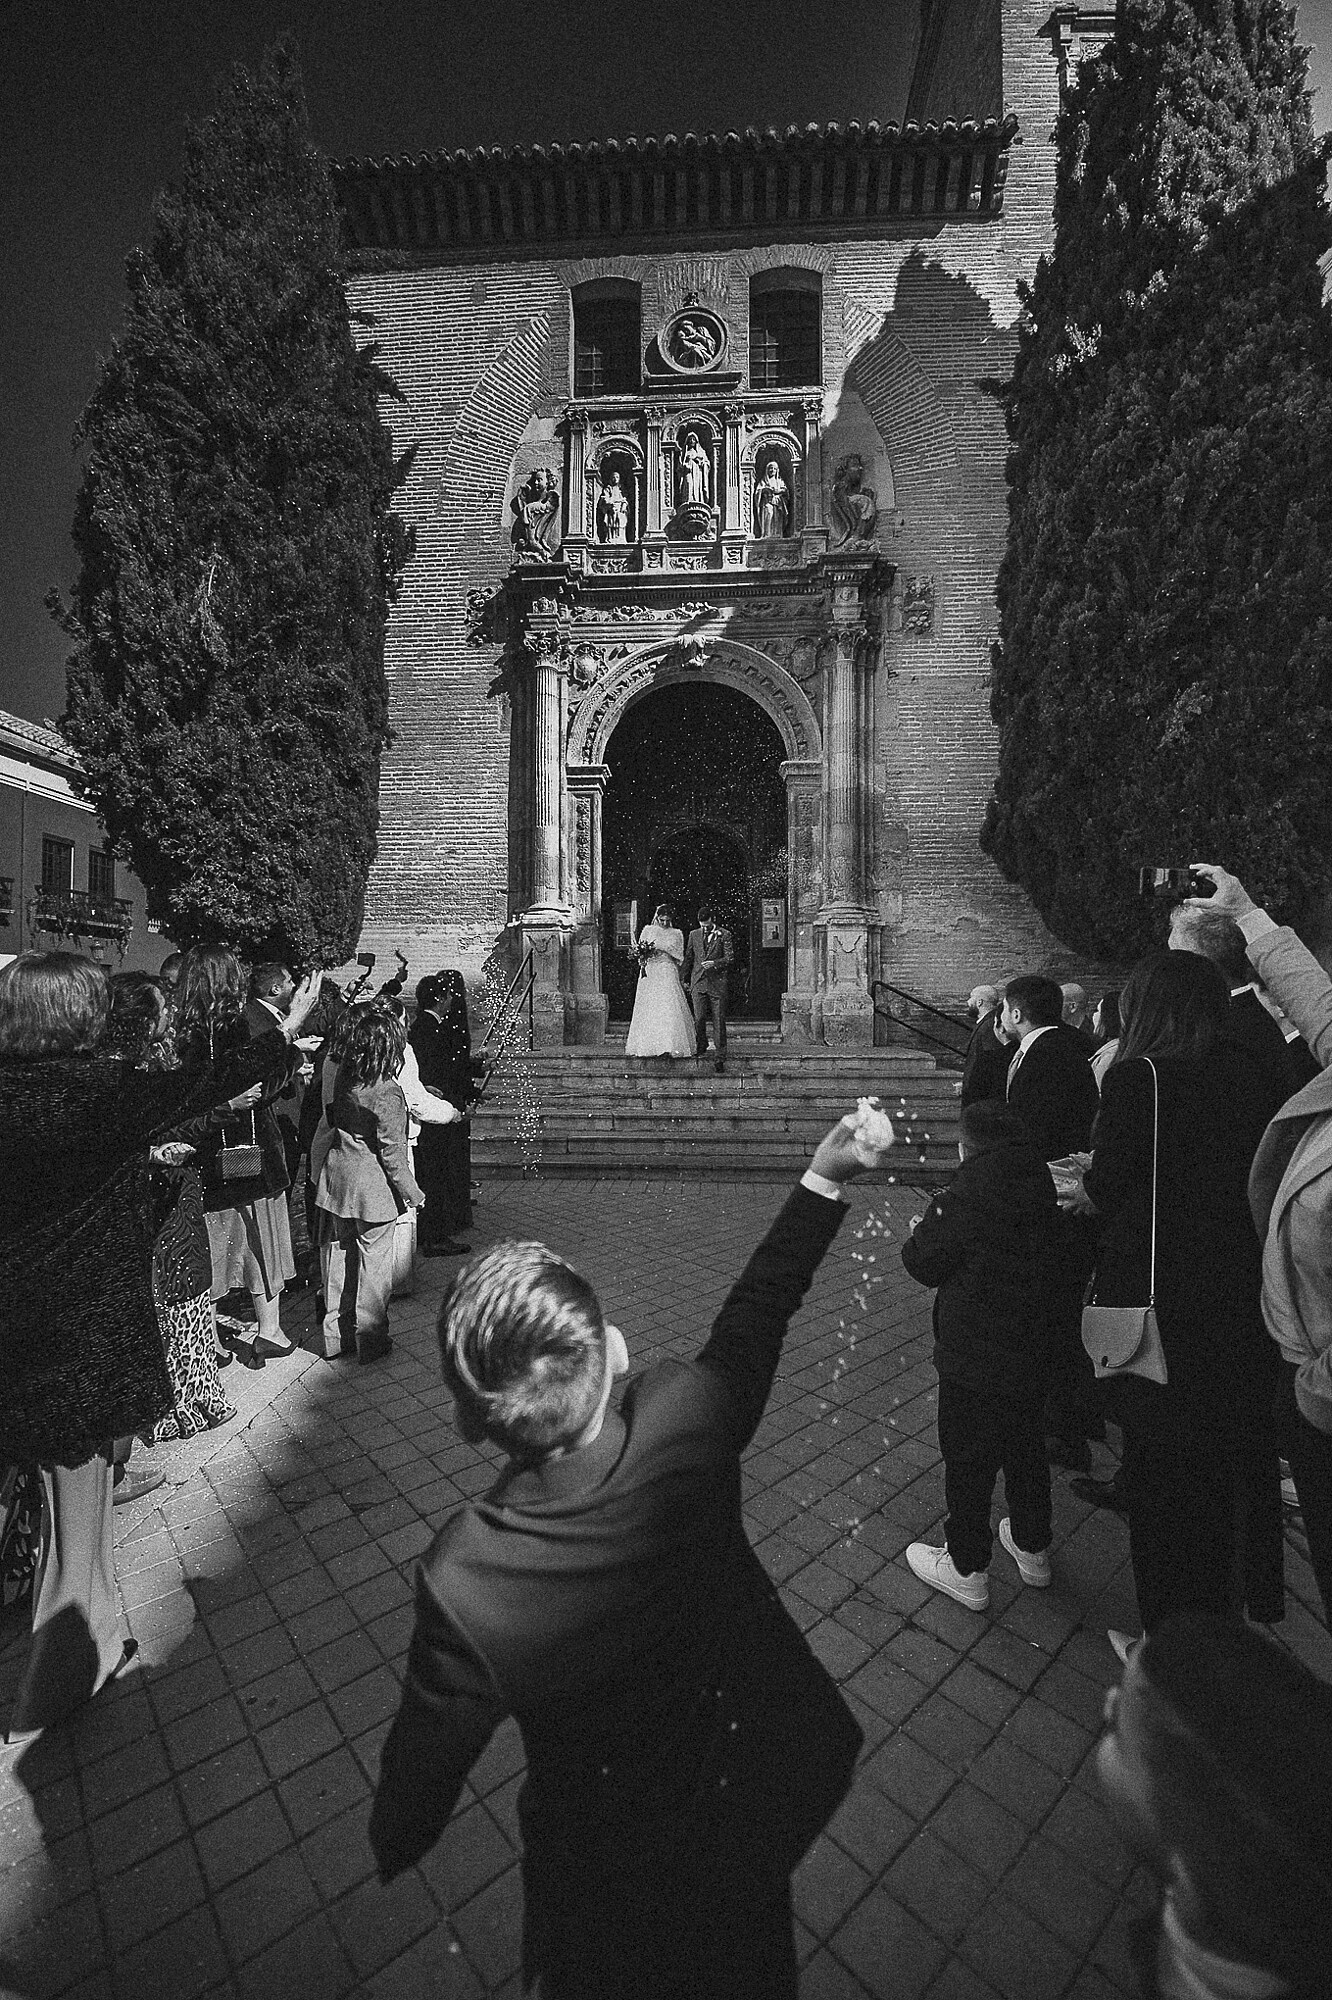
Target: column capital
x: 587, y: 780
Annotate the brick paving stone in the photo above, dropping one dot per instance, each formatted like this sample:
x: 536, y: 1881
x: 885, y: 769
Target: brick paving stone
x: 204, y: 1822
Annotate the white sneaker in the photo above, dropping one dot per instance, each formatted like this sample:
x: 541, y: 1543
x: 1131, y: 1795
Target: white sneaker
x: 1032, y: 1568
x: 1124, y: 1644
x: 936, y: 1567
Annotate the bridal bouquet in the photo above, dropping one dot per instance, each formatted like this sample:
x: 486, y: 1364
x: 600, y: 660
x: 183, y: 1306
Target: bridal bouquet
x: 643, y: 952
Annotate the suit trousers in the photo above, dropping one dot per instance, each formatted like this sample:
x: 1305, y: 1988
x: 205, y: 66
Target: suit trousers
x: 1309, y: 1451
x: 76, y: 1643
x: 705, y: 999
x: 357, y: 1263
x: 709, y: 1948
x: 980, y: 1436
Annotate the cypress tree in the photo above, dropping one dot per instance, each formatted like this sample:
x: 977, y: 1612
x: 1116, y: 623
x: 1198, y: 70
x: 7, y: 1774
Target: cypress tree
x: 238, y: 550
x: 1163, y: 674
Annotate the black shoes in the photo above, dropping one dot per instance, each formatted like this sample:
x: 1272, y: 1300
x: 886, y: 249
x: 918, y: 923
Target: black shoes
x: 1101, y: 1493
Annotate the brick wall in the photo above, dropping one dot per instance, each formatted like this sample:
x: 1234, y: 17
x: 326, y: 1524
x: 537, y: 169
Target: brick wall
x: 913, y: 327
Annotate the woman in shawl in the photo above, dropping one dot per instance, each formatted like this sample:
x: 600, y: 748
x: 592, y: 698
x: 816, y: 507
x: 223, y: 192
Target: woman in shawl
x: 442, y: 1040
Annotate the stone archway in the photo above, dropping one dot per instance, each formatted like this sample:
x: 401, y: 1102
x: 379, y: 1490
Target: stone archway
x: 599, y: 710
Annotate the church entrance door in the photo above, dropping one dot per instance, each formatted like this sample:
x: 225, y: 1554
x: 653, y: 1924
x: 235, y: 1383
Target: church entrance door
x: 695, y: 810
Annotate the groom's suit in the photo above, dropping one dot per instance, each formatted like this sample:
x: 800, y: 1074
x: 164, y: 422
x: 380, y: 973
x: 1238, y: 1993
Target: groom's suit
x: 707, y: 957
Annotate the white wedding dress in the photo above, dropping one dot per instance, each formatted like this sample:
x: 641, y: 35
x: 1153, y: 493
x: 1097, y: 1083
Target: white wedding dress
x: 662, y: 1023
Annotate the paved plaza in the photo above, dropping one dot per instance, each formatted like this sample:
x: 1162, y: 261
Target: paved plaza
x: 202, y: 1831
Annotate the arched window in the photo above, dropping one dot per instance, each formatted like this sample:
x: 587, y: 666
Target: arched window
x: 608, y: 341
x: 785, y: 330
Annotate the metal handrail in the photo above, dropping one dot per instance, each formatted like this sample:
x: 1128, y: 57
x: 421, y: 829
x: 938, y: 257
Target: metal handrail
x: 526, y: 970
x: 911, y: 1027
x: 526, y: 966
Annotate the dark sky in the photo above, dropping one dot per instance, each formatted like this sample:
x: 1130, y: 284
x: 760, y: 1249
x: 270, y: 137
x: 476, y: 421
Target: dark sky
x: 93, y: 99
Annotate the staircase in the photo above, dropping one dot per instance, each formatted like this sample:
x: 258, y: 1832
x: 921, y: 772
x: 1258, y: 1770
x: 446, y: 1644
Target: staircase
x: 596, y: 1113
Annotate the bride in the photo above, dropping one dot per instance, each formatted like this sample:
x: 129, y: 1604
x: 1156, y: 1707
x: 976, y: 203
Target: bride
x: 662, y: 1023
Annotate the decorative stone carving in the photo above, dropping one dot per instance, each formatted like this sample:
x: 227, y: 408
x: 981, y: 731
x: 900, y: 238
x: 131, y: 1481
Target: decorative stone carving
x: 610, y: 565
x: 536, y: 511
x: 487, y: 617
x: 918, y: 606
x: 693, y: 342
x: 855, y: 505
x: 772, y: 504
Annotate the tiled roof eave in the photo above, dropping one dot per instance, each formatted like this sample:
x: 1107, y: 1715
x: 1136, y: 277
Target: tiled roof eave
x: 825, y: 181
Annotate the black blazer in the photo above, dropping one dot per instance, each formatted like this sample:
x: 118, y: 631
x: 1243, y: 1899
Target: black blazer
x: 985, y: 1072
x: 1054, y: 1092
x: 1208, y: 1257
x: 985, y: 1241
x: 1251, y: 1028
x: 680, y: 1734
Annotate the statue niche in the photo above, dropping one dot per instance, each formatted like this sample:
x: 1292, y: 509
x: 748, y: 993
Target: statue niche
x: 772, y: 504
x: 772, y: 483
x: 695, y: 515
x: 614, y: 497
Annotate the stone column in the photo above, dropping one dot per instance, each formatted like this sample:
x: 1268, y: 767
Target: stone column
x: 846, y: 943
x: 801, y: 1003
x: 547, y: 923
x: 587, y: 787
x: 575, y: 485
x: 735, y: 528
x: 654, y: 416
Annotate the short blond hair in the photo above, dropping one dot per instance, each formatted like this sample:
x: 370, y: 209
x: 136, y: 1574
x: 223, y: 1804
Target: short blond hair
x: 523, y: 1345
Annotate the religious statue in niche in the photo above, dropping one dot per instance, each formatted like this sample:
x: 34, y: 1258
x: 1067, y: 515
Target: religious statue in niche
x: 536, y: 508
x: 695, y: 473
x: 772, y: 503
x: 855, y: 505
x: 695, y: 346
x: 613, y: 510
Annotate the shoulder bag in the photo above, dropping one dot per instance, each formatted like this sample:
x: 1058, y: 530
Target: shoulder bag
x: 1126, y: 1340
x: 242, y: 1163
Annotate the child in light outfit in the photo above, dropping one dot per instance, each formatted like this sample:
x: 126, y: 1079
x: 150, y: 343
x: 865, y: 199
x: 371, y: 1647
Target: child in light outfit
x: 984, y: 1242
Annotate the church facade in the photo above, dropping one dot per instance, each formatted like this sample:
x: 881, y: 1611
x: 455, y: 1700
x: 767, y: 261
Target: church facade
x: 709, y: 499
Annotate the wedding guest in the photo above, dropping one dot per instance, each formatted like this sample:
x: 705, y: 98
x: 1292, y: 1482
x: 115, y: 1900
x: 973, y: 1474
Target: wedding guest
x: 684, y: 1745
x: 1181, y: 1438
x: 1216, y: 1764
x: 81, y: 1356
x: 1052, y: 1089
x: 1290, y: 1194
x: 1105, y: 1033
x: 1075, y: 1008
x: 989, y: 1052
x: 442, y: 1039
x: 984, y: 1243
x: 365, y: 1182
x: 245, y: 1194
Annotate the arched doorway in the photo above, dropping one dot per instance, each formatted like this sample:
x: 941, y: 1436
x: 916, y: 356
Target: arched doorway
x: 695, y: 809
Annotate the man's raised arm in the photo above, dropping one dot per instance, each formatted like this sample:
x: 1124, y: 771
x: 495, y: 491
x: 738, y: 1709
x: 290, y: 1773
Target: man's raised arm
x: 746, y: 1339
x: 1297, y: 982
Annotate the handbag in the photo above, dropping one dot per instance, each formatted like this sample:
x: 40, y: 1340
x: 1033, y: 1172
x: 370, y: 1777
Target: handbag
x: 1126, y: 1340
x: 242, y: 1163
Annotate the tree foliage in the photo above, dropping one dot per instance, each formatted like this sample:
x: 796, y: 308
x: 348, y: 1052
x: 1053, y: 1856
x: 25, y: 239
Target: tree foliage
x: 238, y: 550
x: 1163, y: 675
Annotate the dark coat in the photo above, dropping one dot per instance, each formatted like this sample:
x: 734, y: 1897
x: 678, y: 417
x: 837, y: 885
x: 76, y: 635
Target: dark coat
x: 1250, y: 1027
x: 985, y: 1241
x: 443, y: 1051
x: 985, y: 1072
x: 81, y: 1357
x: 1213, y: 1112
x: 1054, y: 1092
x: 682, y: 1740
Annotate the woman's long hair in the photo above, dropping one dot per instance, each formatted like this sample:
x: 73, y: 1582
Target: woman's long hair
x: 1174, y: 1003
x: 1106, y: 1015
x: 138, y: 1015
x: 371, y: 1045
x: 210, y: 1001
x: 53, y: 1003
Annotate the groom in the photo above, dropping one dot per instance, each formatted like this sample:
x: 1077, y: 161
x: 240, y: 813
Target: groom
x: 707, y: 956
